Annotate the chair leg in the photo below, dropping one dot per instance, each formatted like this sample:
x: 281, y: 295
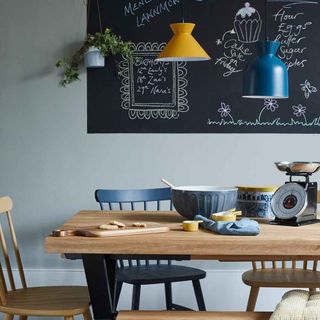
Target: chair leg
x: 23, y: 317
x: 136, y: 297
x: 168, y: 292
x: 252, y: 298
x: 312, y: 290
x: 8, y: 316
x: 118, y: 292
x: 87, y: 315
x: 199, y: 295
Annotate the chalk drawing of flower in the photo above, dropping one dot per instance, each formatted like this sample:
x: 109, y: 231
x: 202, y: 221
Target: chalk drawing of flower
x: 224, y: 110
x: 218, y: 42
x: 299, y: 110
x: 271, y: 104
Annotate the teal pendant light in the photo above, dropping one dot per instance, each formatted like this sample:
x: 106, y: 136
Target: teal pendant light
x: 266, y: 76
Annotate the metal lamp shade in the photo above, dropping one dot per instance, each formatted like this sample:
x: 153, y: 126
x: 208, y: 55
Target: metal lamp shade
x: 267, y: 76
x: 183, y: 46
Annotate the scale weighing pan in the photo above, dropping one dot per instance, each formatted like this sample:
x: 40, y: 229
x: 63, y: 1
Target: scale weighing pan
x: 298, y: 167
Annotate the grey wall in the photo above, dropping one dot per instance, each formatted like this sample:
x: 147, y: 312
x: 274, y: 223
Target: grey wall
x: 51, y: 166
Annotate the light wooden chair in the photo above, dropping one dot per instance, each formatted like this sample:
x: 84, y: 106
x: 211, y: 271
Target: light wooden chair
x: 281, y: 274
x: 63, y: 301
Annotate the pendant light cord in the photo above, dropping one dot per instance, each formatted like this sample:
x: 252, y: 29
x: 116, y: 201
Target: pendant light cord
x: 88, y: 14
x: 266, y: 24
x: 182, y: 10
x: 99, y: 15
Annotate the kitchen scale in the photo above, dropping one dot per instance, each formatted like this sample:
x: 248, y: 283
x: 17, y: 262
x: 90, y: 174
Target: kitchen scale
x: 295, y: 202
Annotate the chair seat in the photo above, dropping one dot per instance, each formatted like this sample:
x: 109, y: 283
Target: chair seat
x: 47, y: 301
x: 283, y: 278
x: 153, y: 274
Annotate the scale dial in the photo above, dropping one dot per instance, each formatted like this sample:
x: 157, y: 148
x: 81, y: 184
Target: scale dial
x: 289, y: 201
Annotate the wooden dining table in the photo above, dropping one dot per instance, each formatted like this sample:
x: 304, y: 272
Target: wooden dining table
x: 100, y: 255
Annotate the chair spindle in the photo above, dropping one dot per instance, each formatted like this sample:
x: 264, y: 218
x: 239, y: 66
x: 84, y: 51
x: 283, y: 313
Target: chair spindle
x: 3, y: 287
x: 16, y: 251
x: 254, y: 265
x: 7, y: 259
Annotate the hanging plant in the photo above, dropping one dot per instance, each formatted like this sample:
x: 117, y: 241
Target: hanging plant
x: 104, y: 43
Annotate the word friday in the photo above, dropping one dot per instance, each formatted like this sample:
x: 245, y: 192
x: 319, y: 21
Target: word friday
x: 234, y: 55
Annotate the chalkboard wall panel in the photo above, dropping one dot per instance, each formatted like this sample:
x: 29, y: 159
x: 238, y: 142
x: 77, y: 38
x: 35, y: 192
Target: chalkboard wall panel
x: 141, y: 96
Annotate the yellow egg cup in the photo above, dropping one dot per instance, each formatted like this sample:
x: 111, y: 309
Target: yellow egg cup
x: 231, y: 215
x: 191, y: 226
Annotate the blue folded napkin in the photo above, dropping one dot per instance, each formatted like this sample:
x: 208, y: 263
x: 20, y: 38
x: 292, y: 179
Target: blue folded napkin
x: 243, y: 227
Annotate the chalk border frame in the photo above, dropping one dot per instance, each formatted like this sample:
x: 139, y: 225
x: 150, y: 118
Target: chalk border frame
x: 153, y: 110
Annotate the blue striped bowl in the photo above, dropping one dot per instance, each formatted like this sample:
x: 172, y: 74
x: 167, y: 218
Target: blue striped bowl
x: 205, y: 200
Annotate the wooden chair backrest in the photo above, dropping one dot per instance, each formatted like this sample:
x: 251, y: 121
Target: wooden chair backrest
x: 6, y: 208
x: 111, y: 199
x: 115, y: 199
x: 289, y: 264
x: 292, y: 264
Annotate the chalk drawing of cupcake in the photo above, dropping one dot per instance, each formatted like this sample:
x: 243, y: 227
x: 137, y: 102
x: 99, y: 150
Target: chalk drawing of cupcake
x: 247, y: 24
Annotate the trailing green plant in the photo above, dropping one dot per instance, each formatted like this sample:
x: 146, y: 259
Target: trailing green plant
x: 107, y: 42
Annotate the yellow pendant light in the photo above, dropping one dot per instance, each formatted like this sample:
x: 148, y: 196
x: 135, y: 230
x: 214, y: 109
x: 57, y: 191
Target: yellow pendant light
x: 182, y: 46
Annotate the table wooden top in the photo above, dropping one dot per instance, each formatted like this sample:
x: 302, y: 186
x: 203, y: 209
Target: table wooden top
x: 274, y: 242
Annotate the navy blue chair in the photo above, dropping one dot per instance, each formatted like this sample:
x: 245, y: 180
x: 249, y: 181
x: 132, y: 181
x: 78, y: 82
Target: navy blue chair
x: 144, y: 272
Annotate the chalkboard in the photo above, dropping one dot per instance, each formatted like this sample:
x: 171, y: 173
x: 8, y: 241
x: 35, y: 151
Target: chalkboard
x: 141, y: 95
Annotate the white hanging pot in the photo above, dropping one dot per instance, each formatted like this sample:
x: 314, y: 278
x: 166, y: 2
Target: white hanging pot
x: 93, y: 58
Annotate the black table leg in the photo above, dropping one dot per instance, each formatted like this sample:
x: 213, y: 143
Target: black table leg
x: 101, y: 275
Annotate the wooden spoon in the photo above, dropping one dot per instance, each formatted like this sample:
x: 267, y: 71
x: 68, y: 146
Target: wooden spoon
x: 167, y: 183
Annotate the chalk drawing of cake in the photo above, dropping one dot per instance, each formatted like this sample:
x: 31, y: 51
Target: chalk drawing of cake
x: 247, y: 24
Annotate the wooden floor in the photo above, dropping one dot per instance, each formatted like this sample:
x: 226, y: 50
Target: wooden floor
x: 187, y: 315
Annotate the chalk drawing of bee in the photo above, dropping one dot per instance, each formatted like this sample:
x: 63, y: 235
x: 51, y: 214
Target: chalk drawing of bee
x: 307, y: 88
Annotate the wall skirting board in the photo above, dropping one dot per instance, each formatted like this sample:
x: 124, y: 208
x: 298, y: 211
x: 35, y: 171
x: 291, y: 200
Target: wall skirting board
x: 223, y: 290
